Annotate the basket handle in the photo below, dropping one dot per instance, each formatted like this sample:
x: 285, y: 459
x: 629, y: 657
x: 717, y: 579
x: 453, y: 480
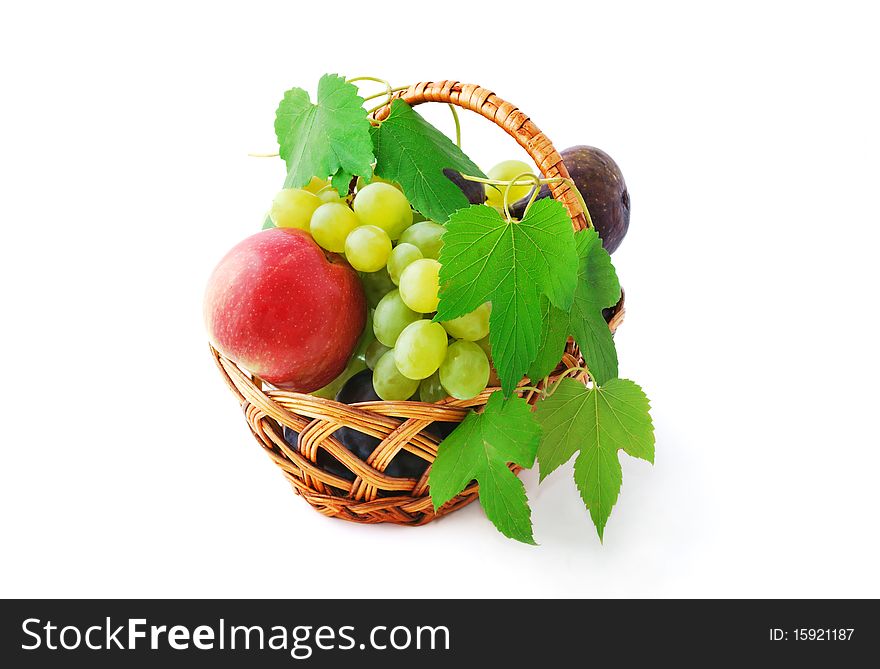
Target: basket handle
x: 507, y: 117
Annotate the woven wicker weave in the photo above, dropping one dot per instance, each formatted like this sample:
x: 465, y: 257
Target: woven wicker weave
x: 374, y: 497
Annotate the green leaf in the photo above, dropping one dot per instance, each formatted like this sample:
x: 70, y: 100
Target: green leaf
x: 480, y: 449
x: 486, y: 258
x: 554, y: 335
x: 329, y: 139
x: 597, y: 422
x: 341, y: 181
x: 597, y: 289
x: 413, y: 153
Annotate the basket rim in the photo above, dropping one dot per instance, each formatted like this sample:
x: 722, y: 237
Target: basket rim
x: 454, y: 406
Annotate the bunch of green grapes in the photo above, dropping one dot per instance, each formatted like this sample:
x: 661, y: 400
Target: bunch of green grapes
x: 363, y: 230
x: 413, y: 353
x: 396, y: 254
x: 412, y: 356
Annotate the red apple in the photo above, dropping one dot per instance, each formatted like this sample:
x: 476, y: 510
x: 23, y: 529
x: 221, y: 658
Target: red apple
x: 285, y: 310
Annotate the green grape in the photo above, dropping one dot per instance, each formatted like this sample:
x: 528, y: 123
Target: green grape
x: 391, y: 317
x: 331, y: 224
x: 426, y: 237
x: 384, y: 206
x: 329, y: 195
x: 367, y: 248
x: 363, y: 183
x: 375, y: 350
x: 315, y: 185
x: 464, y: 372
x: 486, y: 346
x: 473, y: 326
x: 329, y: 391
x: 420, y: 349
x: 431, y: 390
x: 420, y: 285
x: 377, y: 285
x: 389, y: 383
x: 401, y: 256
x: 507, y: 171
x: 487, y: 349
x: 367, y: 337
x: 293, y: 208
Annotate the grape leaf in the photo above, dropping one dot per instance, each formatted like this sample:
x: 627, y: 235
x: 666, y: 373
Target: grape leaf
x: 328, y: 139
x: 554, y: 335
x: 480, y: 449
x: 486, y: 258
x: 413, y: 153
x: 597, y: 288
x: 597, y: 422
x: 341, y: 181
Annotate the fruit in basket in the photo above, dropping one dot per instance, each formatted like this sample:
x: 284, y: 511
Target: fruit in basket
x: 377, y: 285
x: 384, y: 206
x: 401, y: 256
x: 363, y: 183
x: 293, y: 208
x: 420, y: 285
x: 506, y: 171
x: 374, y: 351
x: 389, y: 383
x: 359, y: 388
x: 441, y: 429
x: 608, y: 313
x: 391, y: 317
x: 316, y: 185
x: 331, y: 224
x: 281, y: 307
x: 367, y: 248
x: 323, y: 459
x: 484, y: 344
x: 426, y: 236
x: 406, y: 465
x: 474, y: 191
x: 464, y: 372
x: 473, y: 326
x: 601, y: 183
x: 431, y: 390
x: 329, y: 195
x: 420, y: 349
x: 357, y: 363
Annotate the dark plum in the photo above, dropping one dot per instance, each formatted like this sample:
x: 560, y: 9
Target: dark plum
x: 601, y: 183
x: 475, y: 192
x: 324, y: 460
x: 359, y: 388
x: 441, y: 429
x: 406, y: 465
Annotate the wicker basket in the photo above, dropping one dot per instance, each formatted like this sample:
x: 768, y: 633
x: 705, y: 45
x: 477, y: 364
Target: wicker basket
x: 374, y: 497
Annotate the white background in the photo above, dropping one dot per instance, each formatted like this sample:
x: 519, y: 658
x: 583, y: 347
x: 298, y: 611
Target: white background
x: 749, y: 140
